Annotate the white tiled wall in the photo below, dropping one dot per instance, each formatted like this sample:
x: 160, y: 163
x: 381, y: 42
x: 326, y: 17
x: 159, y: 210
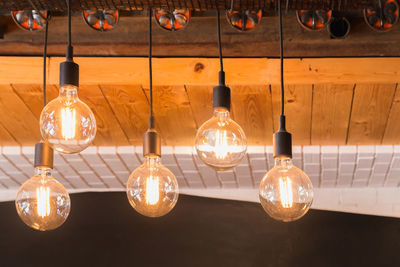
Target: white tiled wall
x: 110, y: 167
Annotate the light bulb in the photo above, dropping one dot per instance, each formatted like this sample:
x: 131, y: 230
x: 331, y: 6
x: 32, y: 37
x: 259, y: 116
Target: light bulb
x: 286, y: 192
x: 221, y: 142
x: 152, y: 189
x: 67, y: 123
x: 42, y: 202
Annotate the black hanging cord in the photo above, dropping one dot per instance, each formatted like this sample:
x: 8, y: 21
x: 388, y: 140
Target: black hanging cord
x: 151, y: 119
x: 69, y: 47
x: 45, y: 61
x: 221, y: 63
x: 45, y: 18
x: 281, y: 59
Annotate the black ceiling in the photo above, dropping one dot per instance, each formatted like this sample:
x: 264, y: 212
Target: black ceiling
x: 103, y: 230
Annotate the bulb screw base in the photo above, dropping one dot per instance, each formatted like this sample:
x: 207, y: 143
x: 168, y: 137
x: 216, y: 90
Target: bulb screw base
x: 282, y: 141
x: 222, y: 94
x: 69, y: 70
x: 151, y: 143
x: 44, y: 155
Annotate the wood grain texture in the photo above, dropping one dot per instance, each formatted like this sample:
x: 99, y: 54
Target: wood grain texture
x: 173, y: 115
x: 17, y: 118
x: 204, y: 71
x: 32, y: 95
x: 109, y: 131
x: 330, y: 113
x: 392, y: 131
x: 6, y: 139
x: 129, y: 39
x: 316, y: 114
x: 130, y: 106
x: 201, y: 99
x: 298, y: 101
x: 371, y: 106
x: 252, y: 110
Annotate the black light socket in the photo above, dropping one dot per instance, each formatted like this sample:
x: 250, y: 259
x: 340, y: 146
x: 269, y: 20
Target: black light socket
x: 151, y: 143
x: 222, y: 94
x: 44, y: 155
x: 282, y: 140
x: 69, y: 70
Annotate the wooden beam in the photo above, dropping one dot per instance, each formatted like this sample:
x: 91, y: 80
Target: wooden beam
x: 198, y: 39
x: 204, y: 71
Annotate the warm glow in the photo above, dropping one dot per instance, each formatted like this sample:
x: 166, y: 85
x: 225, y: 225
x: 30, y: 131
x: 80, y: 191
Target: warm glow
x: 68, y: 122
x: 285, y: 189
x: 43, y: 201
x: 221, y: 145
x: 152, y: 190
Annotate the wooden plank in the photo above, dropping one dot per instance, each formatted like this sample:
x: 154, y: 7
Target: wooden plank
x: 32, y: 95
x: 392, y: 131
x: 173, y: 114
x: 330, y: 113
x: 252, y: 110
x: 298, y: 100
x: 129, y: 38
x: 204, y: 71
x: 17, y: 118
x: 239, y: 71
x: 370, y: 111
x: 200, y: 98
x: 130, y: 106
x: 6, y: 139
x: 109, y: 131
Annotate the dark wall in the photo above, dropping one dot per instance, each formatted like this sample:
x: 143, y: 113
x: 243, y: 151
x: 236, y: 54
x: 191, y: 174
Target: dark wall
x: 103, y: 230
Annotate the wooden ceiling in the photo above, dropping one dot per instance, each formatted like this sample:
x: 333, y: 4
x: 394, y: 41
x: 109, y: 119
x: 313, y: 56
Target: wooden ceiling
x: 349, y: 103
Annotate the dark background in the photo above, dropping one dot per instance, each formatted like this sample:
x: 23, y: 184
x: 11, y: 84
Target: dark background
x: 103, y: 230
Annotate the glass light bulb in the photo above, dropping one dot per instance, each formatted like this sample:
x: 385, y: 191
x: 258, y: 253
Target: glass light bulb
x: 286, y: 192
x: 221, y: 142
x: 67, y: 123
x: 42, y: 202
x: 152, y: 189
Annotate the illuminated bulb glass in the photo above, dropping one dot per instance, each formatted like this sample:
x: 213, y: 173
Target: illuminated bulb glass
x: 42, y: 202
x: 67, y: 123
x: 221, y: 142
x: 152, y: 189
x: 286, y: 192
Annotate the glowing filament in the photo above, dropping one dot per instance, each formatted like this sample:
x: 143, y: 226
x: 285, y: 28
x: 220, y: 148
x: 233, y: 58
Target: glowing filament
x: 43, y: 201
x: 285, y: 189
x: 221, y: 145
x: 68, y: 122
x: 152, y: 190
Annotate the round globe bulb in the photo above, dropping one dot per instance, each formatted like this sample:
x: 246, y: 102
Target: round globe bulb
x: 67, y: 123
x: 286, y: 192
x: 221, y: 142
x: 42, y: 202
x: 152, y: 189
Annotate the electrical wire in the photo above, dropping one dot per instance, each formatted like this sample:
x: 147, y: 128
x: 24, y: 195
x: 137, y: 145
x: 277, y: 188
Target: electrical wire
x: 281, y: 58
x: 219, y: 41
x: 69, y: 21
x: 45, y: 18
x: 45, y: 61
x: 150, y: 72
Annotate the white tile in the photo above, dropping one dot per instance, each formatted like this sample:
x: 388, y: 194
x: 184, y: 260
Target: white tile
x: 366, y: 151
